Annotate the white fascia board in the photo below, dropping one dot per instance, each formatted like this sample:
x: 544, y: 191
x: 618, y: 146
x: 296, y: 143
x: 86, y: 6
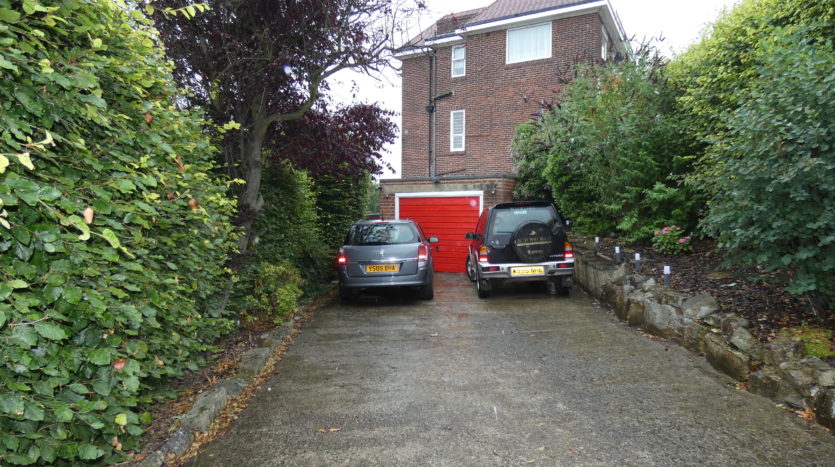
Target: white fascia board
x: 446, y: 41
x: 612, y: 23
x: 525, y: 19
x: 413, y: 52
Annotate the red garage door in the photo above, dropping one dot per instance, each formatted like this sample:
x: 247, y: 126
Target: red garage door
x: 447, y: 217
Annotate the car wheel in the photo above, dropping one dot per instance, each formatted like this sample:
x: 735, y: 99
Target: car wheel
x: 427, y: 292
x: 346, y: 294
x: 471, y: 272
x: 564, y: 288
x: 532, y: 242
x: 483, y: 287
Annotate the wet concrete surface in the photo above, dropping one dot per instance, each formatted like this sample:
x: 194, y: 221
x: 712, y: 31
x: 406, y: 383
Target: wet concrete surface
x: 521, y: 378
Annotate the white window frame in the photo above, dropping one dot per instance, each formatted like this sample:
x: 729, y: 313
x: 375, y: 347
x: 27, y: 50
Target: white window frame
x: 463, y: 60
x: 452, y: 133
x: 604, y: 44
x: 549, y: 51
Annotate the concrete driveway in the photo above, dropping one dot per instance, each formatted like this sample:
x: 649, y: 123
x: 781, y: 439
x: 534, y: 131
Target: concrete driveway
x: 519, y: 379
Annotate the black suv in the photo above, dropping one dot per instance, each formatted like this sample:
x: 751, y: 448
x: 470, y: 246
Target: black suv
x: 520, y: 241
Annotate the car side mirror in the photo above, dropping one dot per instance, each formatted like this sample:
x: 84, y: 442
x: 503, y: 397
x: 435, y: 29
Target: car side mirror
x: 433, y: 239
x: 470, y: 236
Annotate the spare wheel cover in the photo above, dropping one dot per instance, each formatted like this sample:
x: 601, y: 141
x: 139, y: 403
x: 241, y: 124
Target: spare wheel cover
x: 532, y: 242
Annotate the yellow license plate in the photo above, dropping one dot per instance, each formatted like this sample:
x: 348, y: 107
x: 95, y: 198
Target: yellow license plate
x: 527, y: 271
x: 371, y: 268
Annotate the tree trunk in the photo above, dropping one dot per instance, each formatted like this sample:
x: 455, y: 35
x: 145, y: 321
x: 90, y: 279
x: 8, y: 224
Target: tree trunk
x: 250, y: 200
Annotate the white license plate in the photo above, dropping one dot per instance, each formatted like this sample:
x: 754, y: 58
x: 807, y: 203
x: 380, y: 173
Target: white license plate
x: 527, y: 271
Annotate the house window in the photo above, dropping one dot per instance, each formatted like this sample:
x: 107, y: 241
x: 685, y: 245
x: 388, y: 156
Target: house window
x: 459, y: 61
x: 456, y: 130
x: 529, y: 43
x: 604, y: 44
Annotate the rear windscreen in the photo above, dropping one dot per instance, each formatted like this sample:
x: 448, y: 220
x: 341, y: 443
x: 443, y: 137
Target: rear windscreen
x: 382, y: 234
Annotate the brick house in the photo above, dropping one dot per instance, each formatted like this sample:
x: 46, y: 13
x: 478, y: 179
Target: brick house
x: 468, y: 81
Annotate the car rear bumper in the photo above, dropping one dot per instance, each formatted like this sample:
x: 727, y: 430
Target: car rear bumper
x: 505, y: 271
x: 363, y: 282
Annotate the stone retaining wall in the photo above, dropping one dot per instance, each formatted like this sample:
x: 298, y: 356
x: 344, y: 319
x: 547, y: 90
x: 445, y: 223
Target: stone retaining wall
x: 779, y: 370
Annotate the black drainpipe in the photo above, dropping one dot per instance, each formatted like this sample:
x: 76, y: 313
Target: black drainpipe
x: 431, y: 109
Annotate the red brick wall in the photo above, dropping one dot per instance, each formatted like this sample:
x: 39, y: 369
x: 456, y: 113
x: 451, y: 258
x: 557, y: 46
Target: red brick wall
x: 415, y: 160
x: 491, y: 93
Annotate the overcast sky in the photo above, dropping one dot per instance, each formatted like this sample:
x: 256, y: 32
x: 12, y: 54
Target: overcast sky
x: 680, y: 22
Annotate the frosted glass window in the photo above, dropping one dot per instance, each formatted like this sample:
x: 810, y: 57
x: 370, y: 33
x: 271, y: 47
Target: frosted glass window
x: 456, y: 130
x: 459, y: 61
x: 529, y: 43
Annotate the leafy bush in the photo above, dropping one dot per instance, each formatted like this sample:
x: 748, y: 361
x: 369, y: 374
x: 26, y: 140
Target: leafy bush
x: 714, y: 75
x: 112, y: 236
x: 671, y: 241
x: 288, y: 227
x: 340, y: 201
x: 612, y: 153
x: 275, y: 290
x: 773, y: 203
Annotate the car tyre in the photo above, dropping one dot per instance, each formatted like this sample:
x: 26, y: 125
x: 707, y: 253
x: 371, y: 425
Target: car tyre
x: 483, y: 287
x: 346, y: 294
x: 470, y: 268
x: 427, y: 292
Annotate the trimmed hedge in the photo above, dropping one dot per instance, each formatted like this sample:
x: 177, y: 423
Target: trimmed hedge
x: 113, y: 230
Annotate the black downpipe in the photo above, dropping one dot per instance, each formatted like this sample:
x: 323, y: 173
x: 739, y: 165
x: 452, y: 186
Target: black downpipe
x: 431, y: 108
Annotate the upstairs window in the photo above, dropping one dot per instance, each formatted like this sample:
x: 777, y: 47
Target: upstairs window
x: 459, y: 61
x: 604, y: 44
x: 529, y: 43
x: 456, y: 130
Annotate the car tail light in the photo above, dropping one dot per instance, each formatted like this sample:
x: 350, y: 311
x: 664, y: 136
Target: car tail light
x: 341, y: 259
x: 569, y: 251
x: 423, y: 253
x: 482, y: 254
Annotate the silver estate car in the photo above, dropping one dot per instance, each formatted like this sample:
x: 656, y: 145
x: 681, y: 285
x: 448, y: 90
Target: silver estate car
x: 385, y: 253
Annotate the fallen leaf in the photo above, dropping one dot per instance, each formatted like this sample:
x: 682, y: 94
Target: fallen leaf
x: 335, y: 430
x: 88, y: 215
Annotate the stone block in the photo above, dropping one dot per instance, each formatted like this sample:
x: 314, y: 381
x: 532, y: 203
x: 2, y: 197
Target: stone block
x: 205, y: 409
x: 768, y: 383
x: 825, y: 408
x: 253, y: 361
x: 731, y: 362
x: 662, y: 320
x: 783, y: 349
x: 803, y: 374
x: 154, y: 459
x: 693, y: 335
x: 234, y: 385
x: 746, y: 342
x: 178, y: 443
x: 730, y: 322
x: 699, y: 306
x: 635, y: 313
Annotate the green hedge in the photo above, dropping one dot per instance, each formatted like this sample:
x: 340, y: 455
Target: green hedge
x: 113, y: 231
x: 612, y: 153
